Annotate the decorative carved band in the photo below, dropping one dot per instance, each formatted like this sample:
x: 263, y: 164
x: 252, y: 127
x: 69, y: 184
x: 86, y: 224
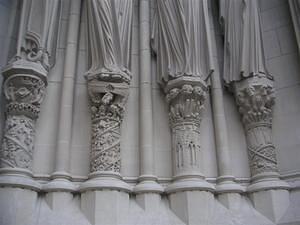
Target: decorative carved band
x: 186, y: 105
x: 255, y: 99
x: 186, y: 147
x: 18, y: 142
x: 107, y: 106
x: 105, y: 155
x: 23, y: 93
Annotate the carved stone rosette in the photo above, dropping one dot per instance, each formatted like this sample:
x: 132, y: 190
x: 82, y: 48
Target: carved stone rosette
x: 255, y: 99
x: 24, y: 94
x: 186, y: 106
x: 107, y: 103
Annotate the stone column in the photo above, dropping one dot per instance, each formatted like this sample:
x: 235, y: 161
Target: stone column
x: 227, y: 188
x: 186, y: 97
x: 59, y: 191
x: 61, y: 177
x: 24, y: 93
x: 184, y: 62
x: 245, y: 72
x: 24, y: 86
x: 25, y: 81
x: 108, y: 78
x: 147, y: 189
x: 255, y: 99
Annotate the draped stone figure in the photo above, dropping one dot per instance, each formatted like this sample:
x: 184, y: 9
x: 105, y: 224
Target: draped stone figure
x: 108, y: 77
x: 295, y: 12
x: 25, y: 79
x: 181, y: 42
x: 109, y: 37
x: 243, y: 42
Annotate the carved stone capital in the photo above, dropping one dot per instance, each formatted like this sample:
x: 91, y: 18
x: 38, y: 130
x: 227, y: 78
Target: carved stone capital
x: 255, y: 99
x: 107, y: 102
x: 186, y: 99
x: 24, y: 94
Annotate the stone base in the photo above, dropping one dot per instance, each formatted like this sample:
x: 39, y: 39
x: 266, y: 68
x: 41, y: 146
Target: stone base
x: 148, y: 184
x: 189, y: 183
x: 227, y: 184
x: 242, y: 210
x: 105, y: 207
x: 149, y: 201
x: 271, y: 203
x: 230, y: 200
x: 18, y: 178
x: 292, y: 215
x: 105, y: 181
x: 198, y: 207
x: 17, y: 206
x: 60, y: 182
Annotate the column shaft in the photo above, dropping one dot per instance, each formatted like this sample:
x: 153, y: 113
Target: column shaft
x: 223, y: 155
x: 146, y: 118
x: 66, y: 107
